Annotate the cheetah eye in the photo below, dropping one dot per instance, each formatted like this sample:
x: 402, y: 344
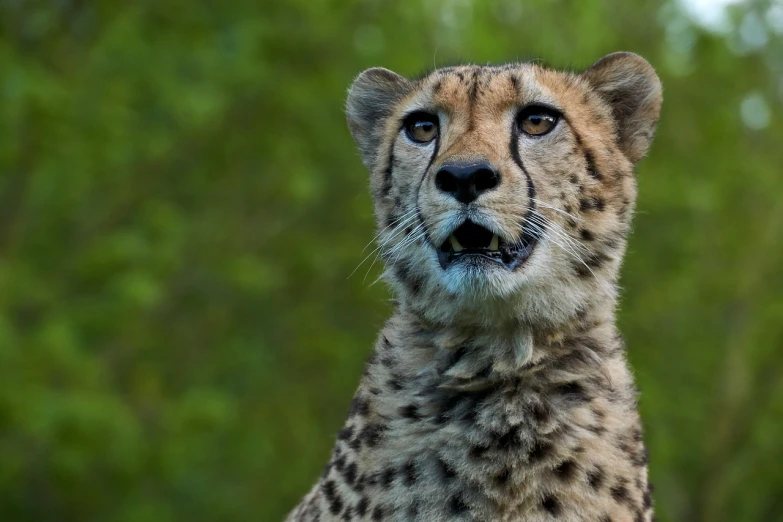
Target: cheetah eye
x: 537, y: 120
x: 421, y: 127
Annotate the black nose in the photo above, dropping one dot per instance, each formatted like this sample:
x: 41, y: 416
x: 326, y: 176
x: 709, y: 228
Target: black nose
x: 466, y: 182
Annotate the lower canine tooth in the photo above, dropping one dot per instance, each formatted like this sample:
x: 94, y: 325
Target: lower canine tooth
x: 493, y: 245
x: 455, y: 244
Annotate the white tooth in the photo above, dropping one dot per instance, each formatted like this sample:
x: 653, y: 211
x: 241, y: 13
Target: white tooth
x: 455, y: 244
x: 493, y: 245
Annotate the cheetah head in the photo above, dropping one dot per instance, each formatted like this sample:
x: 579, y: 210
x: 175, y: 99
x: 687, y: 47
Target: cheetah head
x: 504, y: 191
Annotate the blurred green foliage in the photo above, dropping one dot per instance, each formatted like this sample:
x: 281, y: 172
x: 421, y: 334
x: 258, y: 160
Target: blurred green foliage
x: 181, y: 206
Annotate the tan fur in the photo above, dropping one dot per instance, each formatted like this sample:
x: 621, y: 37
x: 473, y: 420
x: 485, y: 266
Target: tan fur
x: 492, y: 394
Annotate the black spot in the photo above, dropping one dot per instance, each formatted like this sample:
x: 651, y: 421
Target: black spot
x: 478, y: 451
x: 606, y: 518
x: 339, y: 462
x: 361, y: 507
x: 437, y: 87
x: 566, y: 470
x: 541, y: 412
x: 457, y: 505
x: 596, y: 478
x: 573, y: 178
x: 332, y: 497
x: 597, y: 429
x: 377, y: 513
x: 514, y: 82
x: 572, y: 391
x: 637, y: 432
x: 356, y: 443
x: 596, y: 260
x: 326, y: 470
x: 410, y: 412
x: 345, y: 433
x: 620, y: 493
x: 456, y: 356
x: 413, y: 509
x: 372, y: 434
x: 451, y: 402
x: 641, y: 458
x: 509, y: 439
x: 350, y: 473
x: 446, y: 470
x: 599, y: 204
x: 501, y: 478
x: 348, y: 514
x: 648, y: 497
x: 409, y: 474
x: 388, y: 477
x: 591, y: 170
x: 586, y: 234
x: 359, y: 406
x: 551, y: 505
x: 395, y: 383
x: 540, y: 451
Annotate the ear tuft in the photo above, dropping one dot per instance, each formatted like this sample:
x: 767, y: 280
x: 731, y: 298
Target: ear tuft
x: 632, y: 88
x: 371, y: 100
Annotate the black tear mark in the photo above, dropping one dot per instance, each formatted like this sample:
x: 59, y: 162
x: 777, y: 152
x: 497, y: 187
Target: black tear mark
x: 386, y: 186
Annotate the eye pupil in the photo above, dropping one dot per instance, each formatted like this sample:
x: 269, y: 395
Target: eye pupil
x: 421, y: 127
x: 537, y: 120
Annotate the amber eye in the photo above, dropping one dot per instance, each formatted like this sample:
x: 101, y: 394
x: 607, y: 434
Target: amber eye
x: 421, y: 127
x: 537, y: 120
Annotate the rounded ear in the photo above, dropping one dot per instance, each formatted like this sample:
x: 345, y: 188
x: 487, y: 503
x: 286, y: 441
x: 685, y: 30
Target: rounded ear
x: 371, y: 99
x: 631, y: 87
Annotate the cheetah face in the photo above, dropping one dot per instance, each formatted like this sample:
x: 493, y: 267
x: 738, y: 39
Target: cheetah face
x: 505, y: 189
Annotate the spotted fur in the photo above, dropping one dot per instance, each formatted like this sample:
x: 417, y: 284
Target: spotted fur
x: 497, y: 394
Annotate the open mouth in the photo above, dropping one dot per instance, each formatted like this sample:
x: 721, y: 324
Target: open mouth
x: 474, y: 242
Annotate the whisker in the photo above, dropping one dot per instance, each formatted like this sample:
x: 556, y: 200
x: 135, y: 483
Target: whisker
x: 381, y: 245
x: 405, y: 218
x: 566, y: 249
x: 557, y: 230
x: 552, y: 207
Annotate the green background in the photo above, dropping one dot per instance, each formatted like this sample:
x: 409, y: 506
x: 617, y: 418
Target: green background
x: 181, y: 206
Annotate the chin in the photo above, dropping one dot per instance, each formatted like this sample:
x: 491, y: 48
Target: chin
x: 475, y: 277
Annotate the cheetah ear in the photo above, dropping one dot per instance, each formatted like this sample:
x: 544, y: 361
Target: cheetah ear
x: 631, y: 87
x: 371, y: 100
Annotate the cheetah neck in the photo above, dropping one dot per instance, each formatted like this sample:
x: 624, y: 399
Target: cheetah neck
x: 449, y: 424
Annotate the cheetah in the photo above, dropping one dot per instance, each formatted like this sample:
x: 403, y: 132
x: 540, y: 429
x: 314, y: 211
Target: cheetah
x: 499, y: 389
